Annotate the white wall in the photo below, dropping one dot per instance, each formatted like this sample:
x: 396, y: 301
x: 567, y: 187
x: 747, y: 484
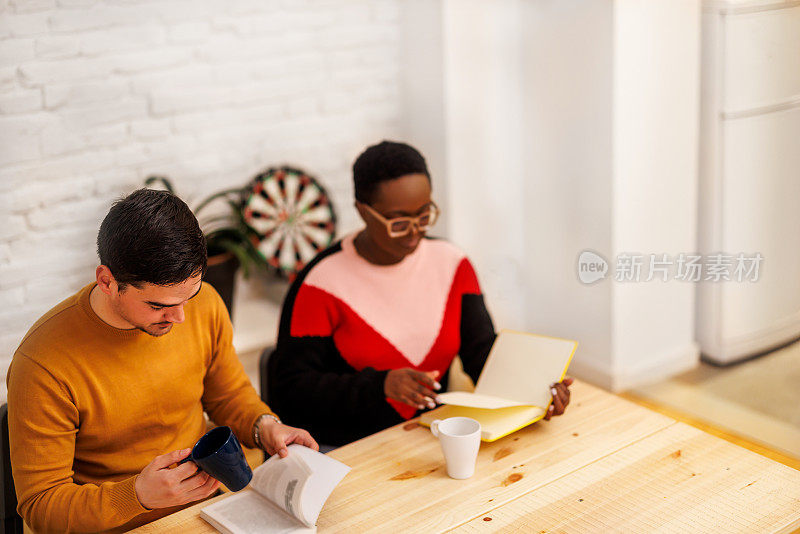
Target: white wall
x: 572, y: 125
x: 422, y: 91
x: 486, y: 203
x: 550, y: 127
x: 656, y: 103
x: 95, y: 95
x: 568, y: 127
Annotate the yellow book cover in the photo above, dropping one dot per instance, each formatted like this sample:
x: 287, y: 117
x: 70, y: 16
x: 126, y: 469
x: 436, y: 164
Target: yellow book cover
x: 513, y: 390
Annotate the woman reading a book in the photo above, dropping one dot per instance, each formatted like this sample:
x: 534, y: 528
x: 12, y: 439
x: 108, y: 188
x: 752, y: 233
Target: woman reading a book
x: 371, y: 326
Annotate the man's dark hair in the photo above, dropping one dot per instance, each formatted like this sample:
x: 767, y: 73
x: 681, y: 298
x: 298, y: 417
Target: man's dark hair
x: 382, y: 162
x: 151, y: 237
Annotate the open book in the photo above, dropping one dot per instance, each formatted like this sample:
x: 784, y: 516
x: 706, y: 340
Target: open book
x: 514, y: 387
x: 285, y: 495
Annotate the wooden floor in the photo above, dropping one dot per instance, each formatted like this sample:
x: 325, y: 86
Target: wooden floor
x: 711, y: 429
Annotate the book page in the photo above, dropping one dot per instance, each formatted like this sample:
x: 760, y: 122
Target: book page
x: 518, y: 372
x: 249, y: 513
x: 476, y: 400
x: 521, y: 367
x: 281, y: 480
x: 326, y: 473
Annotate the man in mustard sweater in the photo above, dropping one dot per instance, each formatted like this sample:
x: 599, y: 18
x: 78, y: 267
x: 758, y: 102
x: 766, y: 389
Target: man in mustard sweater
x: 107, y: 390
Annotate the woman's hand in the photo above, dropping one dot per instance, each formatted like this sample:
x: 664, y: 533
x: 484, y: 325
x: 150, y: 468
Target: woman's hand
x: 560, y: 393
x: 412, y: 387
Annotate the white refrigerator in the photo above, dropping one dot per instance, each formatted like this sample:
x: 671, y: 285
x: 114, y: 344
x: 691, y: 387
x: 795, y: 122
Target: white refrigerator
x: 749, y: 198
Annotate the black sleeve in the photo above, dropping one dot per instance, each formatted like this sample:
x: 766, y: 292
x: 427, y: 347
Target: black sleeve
x: 477, y: 334
x: 312, y: 387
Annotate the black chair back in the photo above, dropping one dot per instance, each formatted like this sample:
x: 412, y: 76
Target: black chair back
x: 263, y: 363
x: 12, y: 522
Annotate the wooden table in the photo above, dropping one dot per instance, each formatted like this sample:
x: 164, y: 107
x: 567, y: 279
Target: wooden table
x: 606, y: 465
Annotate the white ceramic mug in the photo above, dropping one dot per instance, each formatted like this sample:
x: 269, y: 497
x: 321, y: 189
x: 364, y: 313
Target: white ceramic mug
x: 460, y: 438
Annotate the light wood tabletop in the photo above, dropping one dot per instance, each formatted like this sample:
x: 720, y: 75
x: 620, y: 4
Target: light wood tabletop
x: 606, y: 465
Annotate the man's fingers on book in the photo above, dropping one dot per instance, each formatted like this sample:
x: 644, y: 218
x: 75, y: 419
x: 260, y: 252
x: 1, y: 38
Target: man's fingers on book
x: 276, y: 444
x: 305, y: 439
x: 292, y: 435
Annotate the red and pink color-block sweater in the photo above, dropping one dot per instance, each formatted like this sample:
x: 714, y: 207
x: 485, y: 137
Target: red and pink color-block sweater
x: 347, y: 322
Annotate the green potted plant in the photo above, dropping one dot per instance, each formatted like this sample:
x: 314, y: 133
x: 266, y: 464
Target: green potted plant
x: 230, y: 240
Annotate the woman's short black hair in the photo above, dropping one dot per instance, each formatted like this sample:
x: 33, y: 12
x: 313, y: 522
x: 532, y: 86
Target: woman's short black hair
x: 385, y: 161
x: 151, y: 237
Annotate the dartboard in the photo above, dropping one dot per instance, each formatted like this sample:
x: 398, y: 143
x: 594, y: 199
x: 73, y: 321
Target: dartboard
x: 292, y: 215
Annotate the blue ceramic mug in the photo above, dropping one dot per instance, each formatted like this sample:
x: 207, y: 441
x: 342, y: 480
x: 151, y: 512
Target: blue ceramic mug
x: 219, y: 454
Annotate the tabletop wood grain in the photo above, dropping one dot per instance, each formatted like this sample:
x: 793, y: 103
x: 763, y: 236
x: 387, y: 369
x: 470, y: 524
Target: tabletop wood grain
x: 606, y: 463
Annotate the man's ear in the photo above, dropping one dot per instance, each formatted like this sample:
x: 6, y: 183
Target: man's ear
x: 105, y: 280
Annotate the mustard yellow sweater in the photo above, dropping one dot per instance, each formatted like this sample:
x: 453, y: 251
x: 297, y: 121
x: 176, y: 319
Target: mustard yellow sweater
x: 90, y: 405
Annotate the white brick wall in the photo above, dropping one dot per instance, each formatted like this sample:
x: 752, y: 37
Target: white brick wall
x: 95, y: 95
